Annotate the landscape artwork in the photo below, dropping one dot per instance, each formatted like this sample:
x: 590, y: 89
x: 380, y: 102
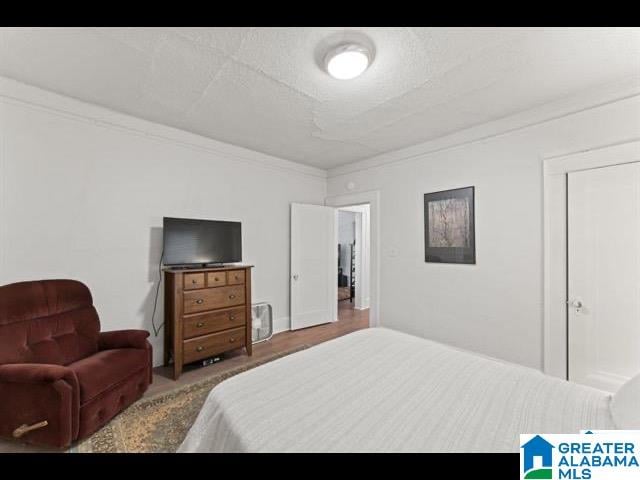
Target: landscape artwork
x: 450, y: 226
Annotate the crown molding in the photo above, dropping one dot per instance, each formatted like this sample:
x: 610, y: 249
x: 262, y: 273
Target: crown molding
x: 14, y: 92
x: 584, y: 100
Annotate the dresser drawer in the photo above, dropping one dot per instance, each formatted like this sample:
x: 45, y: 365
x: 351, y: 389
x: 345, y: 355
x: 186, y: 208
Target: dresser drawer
x: 235, y: 277
x: 212, y: 298
x: 213, y: 344
x: 216, y: 279
x: 204, y: 323
x: 193, y: 281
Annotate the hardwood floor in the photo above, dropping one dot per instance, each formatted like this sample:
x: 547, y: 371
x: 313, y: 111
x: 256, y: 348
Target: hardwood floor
x: 349, y: 321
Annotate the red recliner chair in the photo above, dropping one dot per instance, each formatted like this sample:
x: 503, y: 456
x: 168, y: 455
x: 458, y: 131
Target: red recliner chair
x: 61, y: 379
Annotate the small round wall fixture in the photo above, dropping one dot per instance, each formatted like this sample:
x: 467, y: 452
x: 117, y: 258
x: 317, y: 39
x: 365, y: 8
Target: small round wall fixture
x: 347, y: 61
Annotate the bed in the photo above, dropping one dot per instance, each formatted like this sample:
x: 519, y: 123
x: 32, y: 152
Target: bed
x: 379, y: 390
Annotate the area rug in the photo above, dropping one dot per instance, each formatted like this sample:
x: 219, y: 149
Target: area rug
x: 159, y: 424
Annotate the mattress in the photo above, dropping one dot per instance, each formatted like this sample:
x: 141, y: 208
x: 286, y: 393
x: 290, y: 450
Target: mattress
x: 379, y: 390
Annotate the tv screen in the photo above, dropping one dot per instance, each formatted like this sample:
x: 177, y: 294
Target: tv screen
x: 200, y: 242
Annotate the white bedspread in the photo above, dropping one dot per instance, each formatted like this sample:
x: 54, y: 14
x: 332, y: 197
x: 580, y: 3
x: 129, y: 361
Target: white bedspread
x: 378, y: 390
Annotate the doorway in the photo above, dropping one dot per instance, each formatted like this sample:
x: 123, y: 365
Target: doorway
x: 592, y: 266
x: 353, y: 266
x: 314, y: 261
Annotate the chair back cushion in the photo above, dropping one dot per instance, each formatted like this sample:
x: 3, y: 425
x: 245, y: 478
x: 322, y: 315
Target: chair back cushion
x: 47, y: 321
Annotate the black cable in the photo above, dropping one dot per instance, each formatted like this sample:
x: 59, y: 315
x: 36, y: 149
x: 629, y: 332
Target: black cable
x: 156, y: 331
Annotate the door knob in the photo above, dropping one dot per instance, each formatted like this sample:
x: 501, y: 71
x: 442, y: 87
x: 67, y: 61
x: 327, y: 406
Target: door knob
x: 577, y: 304
x: 295, y: 276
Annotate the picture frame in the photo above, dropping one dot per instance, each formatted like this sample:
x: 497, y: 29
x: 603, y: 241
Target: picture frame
x: 449, y: 226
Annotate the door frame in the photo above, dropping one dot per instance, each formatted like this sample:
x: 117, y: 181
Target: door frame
x: 371, y: 197
x: 555, y: 170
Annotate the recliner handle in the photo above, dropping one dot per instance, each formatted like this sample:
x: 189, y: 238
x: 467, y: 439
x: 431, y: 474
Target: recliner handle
x: 22, y: 429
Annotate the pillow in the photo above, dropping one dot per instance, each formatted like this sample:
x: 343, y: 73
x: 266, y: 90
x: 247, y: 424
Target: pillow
x: 625, y: 405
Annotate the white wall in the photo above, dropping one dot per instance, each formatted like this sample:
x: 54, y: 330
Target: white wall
x: 346, y: 226
x: 365, y: 257
x: 83, y: 191
x: 346, y: 236
x: 496, y: 306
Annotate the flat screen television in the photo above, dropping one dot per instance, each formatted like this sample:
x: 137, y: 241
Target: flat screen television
x: 191, y: 242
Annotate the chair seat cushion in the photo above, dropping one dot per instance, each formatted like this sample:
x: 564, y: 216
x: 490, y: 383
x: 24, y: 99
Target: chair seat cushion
x: 106, y: 369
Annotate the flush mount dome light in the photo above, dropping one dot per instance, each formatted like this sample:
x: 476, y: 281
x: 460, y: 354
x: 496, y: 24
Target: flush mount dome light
x: 347, y: 61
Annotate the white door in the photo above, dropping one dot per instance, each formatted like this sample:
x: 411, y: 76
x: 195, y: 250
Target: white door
x: 603, y: 212
x: 314, y: 259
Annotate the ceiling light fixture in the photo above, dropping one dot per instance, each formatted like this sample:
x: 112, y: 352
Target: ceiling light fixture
x: 347, y: 61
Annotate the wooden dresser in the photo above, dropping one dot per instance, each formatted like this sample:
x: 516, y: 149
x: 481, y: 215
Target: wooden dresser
x: 207, y: 312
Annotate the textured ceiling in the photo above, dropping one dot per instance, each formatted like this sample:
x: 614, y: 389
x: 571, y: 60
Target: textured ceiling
x: 261, y: 88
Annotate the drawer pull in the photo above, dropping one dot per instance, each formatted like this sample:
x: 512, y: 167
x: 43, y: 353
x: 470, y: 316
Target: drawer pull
x: 194, y: 281
x: 237, y: 277
x: 200, y: 324
x: 199, y: 349
x: 216, y: 279
x: 232, y: 296
x: 231, y: 340
x: 199, y: 301
x: 232, y: 317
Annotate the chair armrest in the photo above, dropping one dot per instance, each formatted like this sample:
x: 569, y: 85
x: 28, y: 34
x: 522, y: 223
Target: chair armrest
x: 123, y: 339
x: 36, y: 373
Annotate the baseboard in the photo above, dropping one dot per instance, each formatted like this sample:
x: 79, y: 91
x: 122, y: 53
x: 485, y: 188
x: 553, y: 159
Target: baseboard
x: 283, y: 324
x: 364, y: 306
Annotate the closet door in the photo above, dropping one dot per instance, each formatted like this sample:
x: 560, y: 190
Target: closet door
x: 603, y: 213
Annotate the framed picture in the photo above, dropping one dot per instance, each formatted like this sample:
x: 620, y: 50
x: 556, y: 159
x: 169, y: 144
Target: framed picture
x: 449, y: 226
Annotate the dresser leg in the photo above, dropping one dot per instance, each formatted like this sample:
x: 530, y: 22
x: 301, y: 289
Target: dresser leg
x: 249, y: 348
x: 177, y: 369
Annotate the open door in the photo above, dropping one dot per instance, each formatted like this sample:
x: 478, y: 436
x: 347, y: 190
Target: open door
x: 314, y: 290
